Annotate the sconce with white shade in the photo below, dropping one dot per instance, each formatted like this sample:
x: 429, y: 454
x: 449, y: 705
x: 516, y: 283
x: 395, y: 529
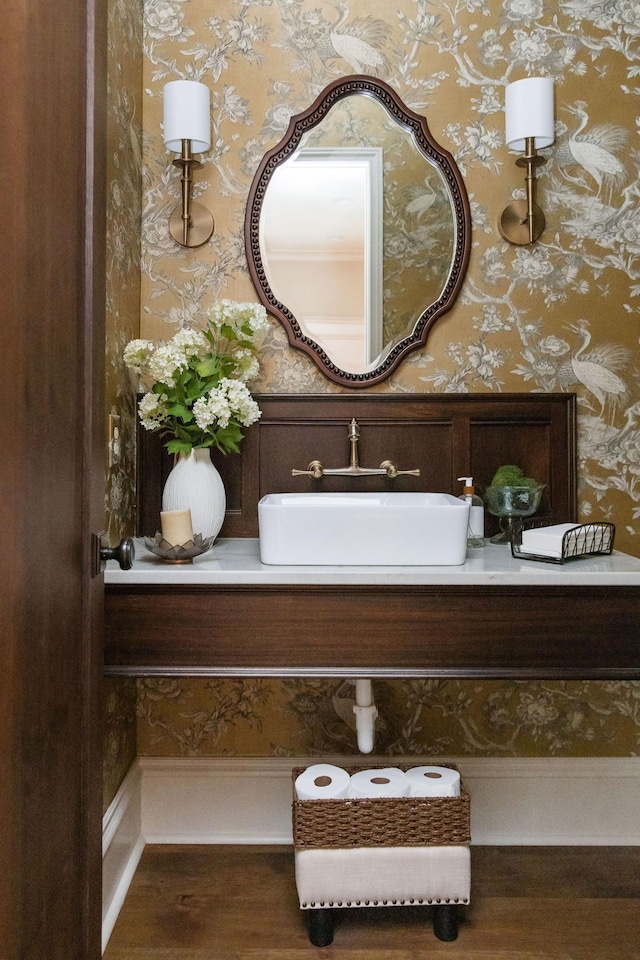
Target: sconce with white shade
x: 529, y: 118
x: 187, y: 130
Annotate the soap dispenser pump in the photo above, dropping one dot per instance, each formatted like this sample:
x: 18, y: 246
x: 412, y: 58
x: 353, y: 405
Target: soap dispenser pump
x: 475, y: 531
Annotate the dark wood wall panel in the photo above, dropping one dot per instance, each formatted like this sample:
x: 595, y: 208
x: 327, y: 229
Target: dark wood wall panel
x: 418, y: 445
x: 529, y: 447
x: 495, y: 443
x: 444, y: 436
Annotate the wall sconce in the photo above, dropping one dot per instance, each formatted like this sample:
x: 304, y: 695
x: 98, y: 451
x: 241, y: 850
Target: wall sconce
x: 187, y: 130
x: 529, y: 120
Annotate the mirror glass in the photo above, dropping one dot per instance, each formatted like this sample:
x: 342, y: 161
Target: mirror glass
x: 357, y: 231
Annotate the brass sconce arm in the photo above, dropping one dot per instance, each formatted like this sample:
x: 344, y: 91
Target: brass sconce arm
x: 187, y: 130
x: 190, y: 224
x: 523, y: 221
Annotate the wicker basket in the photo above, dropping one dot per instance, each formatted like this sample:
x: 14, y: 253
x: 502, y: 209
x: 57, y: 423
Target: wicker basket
x: 381, y: 821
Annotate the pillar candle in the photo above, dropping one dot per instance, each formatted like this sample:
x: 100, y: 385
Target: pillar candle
x: 176, y: 526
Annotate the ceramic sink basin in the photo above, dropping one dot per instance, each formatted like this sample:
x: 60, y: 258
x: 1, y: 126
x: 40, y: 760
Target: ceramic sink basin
x: 381, y: 529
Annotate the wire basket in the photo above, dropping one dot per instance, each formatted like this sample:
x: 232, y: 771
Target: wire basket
x: 381, y: 821
x: 582, y: 540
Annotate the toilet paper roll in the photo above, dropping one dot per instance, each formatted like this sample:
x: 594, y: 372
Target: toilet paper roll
x: 322, y: 781
x: 387, y: 782
x: 430, y: 781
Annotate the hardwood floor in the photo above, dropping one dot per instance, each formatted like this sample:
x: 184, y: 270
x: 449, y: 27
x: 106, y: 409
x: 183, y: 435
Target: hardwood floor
x: 240, y: 903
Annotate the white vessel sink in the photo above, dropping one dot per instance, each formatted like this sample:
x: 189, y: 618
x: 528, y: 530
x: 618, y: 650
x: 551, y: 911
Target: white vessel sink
x: 365, y: 529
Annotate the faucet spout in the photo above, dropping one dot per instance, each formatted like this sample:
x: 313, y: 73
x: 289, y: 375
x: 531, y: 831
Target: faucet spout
x: 386, y: 469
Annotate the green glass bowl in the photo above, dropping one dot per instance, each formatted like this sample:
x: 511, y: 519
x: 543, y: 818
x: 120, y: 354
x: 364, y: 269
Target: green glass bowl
x: 513, y: 501
x: 510, y: 503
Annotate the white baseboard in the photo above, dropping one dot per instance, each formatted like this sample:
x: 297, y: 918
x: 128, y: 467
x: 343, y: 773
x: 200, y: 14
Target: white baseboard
x: 122, y: 846
x: 534, y: 801
x: 513, y: 801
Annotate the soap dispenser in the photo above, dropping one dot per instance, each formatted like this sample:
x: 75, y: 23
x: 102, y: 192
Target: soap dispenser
x: 475, y: 531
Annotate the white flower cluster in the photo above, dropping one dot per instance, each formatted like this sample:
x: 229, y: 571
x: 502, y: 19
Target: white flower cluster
x: 165, y: 362
x: 230, y: 313
x: 169, y: 358
x: 152, y: 409
x: 248, y: 366
x: 196, y: 380
x: 230, y: 399
x: 191, y: 342
x: 137, y: 353
x: 162, y: 361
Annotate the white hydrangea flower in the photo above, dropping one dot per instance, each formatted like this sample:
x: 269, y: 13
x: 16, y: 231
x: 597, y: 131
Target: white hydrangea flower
x: 242, y: 404
x: 165, y: 362
x: 212, y: 409
x: 258, y: 318
x: 136, y: 354
x: 230, y: 399
x: 248, y: 366
x: 152, y: 410
x: 191, y: 343
x: 234, y: 315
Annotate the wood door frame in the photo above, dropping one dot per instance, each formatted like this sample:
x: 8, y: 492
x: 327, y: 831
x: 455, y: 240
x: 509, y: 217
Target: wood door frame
x: 53, y: 107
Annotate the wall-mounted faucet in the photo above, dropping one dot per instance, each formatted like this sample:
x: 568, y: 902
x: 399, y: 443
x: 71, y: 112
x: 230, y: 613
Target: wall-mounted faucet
x: 387, y: 468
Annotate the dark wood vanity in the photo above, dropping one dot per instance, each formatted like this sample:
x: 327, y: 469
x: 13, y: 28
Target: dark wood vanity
x: 578, y: 620
x: 444, y: 631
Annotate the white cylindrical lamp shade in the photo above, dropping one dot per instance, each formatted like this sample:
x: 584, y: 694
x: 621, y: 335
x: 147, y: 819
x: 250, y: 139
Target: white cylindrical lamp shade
x: 187, y: 115
x: 529, y: 113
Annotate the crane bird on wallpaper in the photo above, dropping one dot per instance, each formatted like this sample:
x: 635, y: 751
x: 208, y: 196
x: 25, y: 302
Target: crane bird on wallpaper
x: 599, y: 439
x: 594, y: 151
x: 598, y: 369
x: 357, y: 45
x: 419, y: 199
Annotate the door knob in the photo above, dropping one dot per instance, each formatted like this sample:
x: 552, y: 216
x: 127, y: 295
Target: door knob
x: 124, y: 553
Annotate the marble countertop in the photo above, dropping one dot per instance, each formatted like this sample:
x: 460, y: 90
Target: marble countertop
x: 237, y: 561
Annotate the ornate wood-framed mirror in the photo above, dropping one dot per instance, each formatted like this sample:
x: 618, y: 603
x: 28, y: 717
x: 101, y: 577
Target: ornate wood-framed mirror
x: 357, y: 231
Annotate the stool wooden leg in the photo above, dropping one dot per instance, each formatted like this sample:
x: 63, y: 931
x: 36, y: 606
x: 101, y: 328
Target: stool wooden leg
x: 445, y: 921
x: 320, y: 927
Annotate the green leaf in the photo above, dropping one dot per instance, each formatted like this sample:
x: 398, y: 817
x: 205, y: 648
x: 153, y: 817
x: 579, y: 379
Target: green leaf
x: 178, y: 446
x: 227, y: 439
x: 181, y: 411
x: 207, y: 368
x: 228, y: 332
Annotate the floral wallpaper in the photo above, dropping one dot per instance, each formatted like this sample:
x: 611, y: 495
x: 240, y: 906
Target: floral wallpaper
x: 267, y: 717
x: 560, y: 315
x: 124, y: 172
x: 124, y: 204
x: 119, y: 733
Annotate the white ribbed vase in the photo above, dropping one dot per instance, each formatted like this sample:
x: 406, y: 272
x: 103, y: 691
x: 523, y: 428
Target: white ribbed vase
x: 195, y: 484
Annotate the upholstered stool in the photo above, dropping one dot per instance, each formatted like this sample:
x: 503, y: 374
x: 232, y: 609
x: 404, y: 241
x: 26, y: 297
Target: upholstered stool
x: 332, y: 879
